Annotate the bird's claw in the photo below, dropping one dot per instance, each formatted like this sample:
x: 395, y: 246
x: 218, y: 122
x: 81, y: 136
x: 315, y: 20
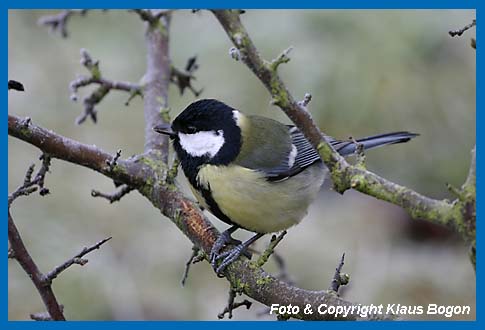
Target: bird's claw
x: 224, y: 239
x: 229, y: 256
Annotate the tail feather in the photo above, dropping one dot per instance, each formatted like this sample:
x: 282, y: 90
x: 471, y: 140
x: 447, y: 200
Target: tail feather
x: 348, y: 147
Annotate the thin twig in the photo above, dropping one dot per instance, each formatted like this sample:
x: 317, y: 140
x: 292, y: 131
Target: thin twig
x: 31, y: 185
x: 275, y: 240
x: 113, y: 162
x: 159, y: 13
x: 144, y: 14
x: 152, y: 16
x: 306, y: 100
x: 339, y: 278
x: 459, y: 32
x: 113, y: 197
x: 196, y: 256
x: 40, y: 177
x: 282, y: 58
x: 183, y: 79
x: 104, y: 87
x: 77, y: 259
x: 82, y: 81
x: 58, y: 22
x: 231, y: 305
x: 458, y: 193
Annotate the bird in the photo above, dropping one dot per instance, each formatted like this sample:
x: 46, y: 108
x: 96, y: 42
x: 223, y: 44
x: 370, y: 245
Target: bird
x: 252, y: 172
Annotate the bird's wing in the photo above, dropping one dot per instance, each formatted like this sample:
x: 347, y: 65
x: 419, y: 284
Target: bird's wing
x: 306, y: 154
x: 301, y: 155
x: 278, y: 161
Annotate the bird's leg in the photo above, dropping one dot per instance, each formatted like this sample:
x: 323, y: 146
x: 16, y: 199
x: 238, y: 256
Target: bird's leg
x: 230, y: 256
x: 224, y: 238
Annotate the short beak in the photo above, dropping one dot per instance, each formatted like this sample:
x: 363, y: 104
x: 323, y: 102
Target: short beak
x: 164, y: 129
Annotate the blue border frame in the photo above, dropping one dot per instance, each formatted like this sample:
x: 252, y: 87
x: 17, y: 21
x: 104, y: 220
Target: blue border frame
x: 189, y: 4
x: 357, y: 4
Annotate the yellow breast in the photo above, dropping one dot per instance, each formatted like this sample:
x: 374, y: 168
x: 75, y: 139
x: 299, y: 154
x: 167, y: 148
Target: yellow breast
x: 249, y: 200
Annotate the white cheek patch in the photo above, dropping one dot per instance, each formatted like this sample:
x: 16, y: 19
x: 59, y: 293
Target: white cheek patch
x: 202, y: 143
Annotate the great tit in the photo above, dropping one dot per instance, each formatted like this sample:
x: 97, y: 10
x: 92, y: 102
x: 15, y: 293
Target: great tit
x: 250, y: 171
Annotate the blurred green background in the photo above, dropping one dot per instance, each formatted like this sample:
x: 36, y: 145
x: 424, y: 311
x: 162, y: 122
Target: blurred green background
x: 369, y: 72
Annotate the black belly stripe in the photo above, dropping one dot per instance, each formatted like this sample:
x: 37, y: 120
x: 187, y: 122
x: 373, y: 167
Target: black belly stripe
x: 191, y: 167
x: 214, y: 207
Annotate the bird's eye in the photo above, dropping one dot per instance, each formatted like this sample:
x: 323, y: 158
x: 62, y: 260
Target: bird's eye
x: 191, y: 129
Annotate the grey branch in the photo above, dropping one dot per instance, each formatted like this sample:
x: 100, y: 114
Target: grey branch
x: 104, y: 87
x: 157, y: 78
x: 77, y: 259
x: 58, y: 22
x: 113, y: 197
x: 152, y: 16
x: 231, y: 305
x: 31, y: 185
x: 459, y: 32
x: 306, y: 100
x: 275, y: 240
x: 184, y: 79
x: 196, y: 256
x: 339, y: 278
x: 113, y: 162
x: 282, y: 58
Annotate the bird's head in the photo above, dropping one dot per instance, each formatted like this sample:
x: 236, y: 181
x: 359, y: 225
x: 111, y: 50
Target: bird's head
x: 206, y: 130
